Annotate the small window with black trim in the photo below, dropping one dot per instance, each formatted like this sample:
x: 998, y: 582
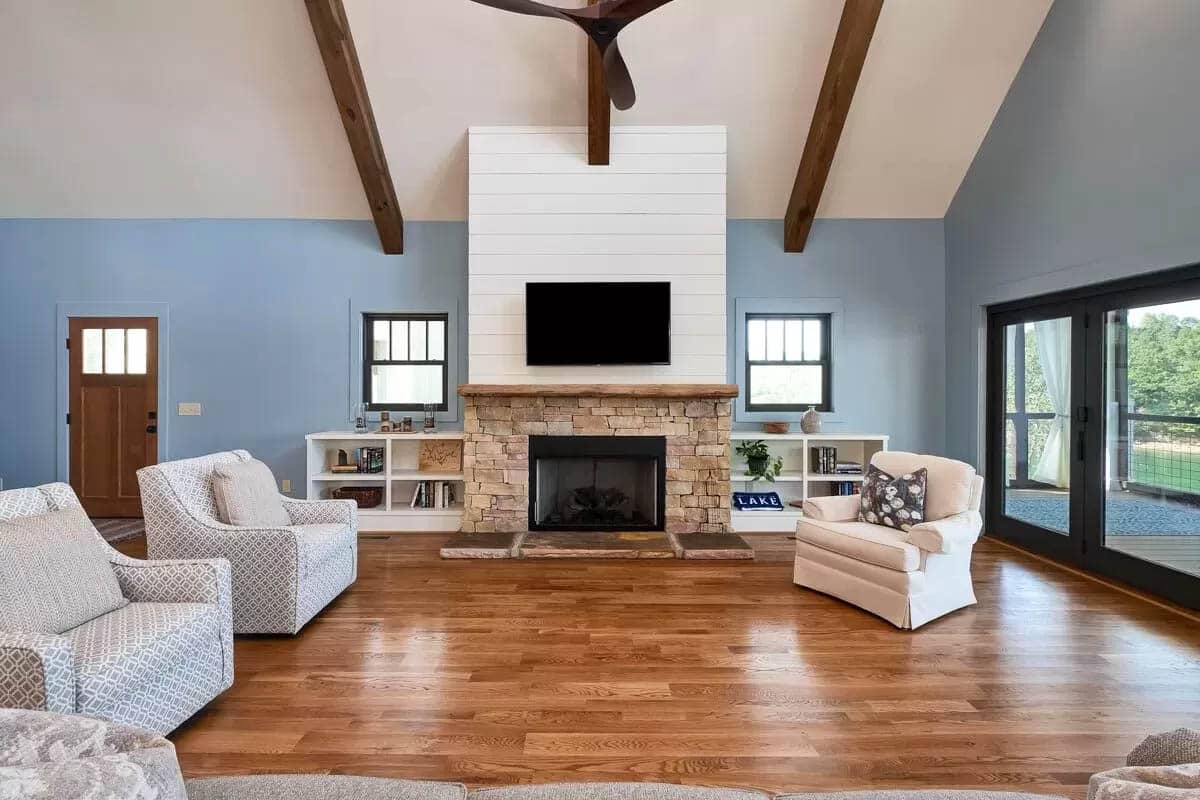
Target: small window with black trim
x: 789, y: 363
x: 404, y: 361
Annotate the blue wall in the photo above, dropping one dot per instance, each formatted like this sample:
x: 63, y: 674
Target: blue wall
x: 259, y: 321
x: 1091, y: 171
x: 890, y: 278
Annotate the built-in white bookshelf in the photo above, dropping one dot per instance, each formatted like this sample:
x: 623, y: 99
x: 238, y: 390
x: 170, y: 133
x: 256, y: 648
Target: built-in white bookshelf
x: 399, y: 479
x: 798, y: 481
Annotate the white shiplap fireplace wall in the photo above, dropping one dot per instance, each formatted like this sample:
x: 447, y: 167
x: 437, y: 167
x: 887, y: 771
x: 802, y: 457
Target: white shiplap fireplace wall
x: 538, y: 212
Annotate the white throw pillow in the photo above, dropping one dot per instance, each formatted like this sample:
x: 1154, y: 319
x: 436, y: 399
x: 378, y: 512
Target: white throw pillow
x: 246, y: 495
x: 54, y: 573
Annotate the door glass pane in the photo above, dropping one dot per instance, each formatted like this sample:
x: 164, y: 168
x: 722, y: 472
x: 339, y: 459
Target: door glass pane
x: 135, y: 348
x: 1152, y: 434
x: 407, y: 384
x: 93, y: 351
x: 416, y: 341
x: 437, y: 340
x: 379, y: 340
x: 781, y: 384
x: 1037, y: 455
x: 114, y: 351
x: 756, y: 339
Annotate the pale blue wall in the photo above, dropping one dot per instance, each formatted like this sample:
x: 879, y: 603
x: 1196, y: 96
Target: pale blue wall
x: 889, y: 278
x: 259, y: 316
x: 1091, y: 171
x: 259, y: 321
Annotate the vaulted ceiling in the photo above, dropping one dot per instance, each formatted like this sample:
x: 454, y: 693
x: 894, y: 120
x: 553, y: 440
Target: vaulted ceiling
x: 181, y: 108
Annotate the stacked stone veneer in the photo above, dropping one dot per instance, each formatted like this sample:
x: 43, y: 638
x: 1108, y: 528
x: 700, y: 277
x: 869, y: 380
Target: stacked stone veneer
x: 496, y: 453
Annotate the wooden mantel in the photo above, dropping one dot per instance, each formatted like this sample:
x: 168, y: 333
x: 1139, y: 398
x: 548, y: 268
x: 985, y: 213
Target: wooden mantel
x: 690, y: 391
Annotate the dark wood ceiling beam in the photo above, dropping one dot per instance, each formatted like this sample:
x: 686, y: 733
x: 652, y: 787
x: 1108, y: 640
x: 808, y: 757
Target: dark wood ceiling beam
x: 599, y: 106
x: 332, y: 30
x: 846, y: 60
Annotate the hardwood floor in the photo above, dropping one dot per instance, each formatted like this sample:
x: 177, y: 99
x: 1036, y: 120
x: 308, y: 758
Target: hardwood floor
x: 699, y: 672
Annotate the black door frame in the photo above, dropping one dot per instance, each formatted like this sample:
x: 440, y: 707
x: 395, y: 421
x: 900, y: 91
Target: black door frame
x: 1084, y: 546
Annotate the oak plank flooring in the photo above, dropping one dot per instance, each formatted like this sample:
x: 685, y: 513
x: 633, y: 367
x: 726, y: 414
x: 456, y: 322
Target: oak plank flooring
x: 495, y: 672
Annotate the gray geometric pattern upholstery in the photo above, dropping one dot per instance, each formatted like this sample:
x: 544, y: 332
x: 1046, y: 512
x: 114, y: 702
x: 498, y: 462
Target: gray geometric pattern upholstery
x: 128, y: 661
x: 153, y: 663
x: 281, y: 576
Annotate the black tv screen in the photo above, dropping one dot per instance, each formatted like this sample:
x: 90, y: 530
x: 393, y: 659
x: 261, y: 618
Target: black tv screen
x: 584, y: 324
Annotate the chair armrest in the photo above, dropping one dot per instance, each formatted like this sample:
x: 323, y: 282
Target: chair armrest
x: 322, y: 512
x: 948, y: 535
x: 182, y: 581
x: 37, y: 671
x: 838, y: 508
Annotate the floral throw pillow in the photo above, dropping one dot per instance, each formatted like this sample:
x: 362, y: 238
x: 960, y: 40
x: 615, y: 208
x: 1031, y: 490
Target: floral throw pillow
x: 893, y: 502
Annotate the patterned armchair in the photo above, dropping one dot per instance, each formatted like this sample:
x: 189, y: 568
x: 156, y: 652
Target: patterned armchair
x: 153, y: 663
x: 281, y: 576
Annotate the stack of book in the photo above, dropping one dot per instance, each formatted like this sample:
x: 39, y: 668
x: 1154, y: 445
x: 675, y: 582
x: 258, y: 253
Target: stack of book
x: 824, y: 460
x: 848, y: 468
x: 433, y: 494
x: 365, y: 460
x: 844, y: 488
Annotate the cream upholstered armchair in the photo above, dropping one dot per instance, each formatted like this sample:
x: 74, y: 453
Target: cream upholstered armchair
x: 153, y: 662
x: 282, y: 576
x: 908, y: 578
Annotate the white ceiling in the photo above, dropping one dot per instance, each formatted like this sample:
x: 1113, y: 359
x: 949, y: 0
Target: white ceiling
x: 221, y: 108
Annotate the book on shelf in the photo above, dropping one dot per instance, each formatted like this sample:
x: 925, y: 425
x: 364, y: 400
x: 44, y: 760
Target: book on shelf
x: 433, y: 494
x: 823, y: 460
x: 844, y: 488
x: 367, y: 460
x: 848, y: 468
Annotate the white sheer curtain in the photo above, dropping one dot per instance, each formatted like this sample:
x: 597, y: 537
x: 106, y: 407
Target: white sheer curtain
x: 1054, y: 351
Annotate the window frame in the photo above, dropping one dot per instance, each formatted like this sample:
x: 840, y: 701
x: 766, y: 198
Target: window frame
x: 369, y: 318
x: 825, y: 362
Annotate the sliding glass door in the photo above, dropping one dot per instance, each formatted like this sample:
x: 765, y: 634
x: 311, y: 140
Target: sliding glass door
x: 1094, y: 429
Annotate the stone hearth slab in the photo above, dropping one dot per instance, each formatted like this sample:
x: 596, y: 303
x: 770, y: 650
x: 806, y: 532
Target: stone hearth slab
x: 715, y: 546
x: 578, y: 544
x: 480, y: 545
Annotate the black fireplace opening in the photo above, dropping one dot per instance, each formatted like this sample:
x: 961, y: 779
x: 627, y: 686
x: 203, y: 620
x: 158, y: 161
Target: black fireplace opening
x: 597, y: 483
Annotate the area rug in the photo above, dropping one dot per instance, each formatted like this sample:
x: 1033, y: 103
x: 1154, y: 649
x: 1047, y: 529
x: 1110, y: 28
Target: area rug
x: 120, y: 530
x: 1125, y: 515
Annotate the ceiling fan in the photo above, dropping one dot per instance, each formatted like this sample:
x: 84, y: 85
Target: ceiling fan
x: 601, y: 22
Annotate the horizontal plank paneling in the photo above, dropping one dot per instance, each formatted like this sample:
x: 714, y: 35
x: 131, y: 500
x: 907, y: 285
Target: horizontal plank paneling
x: 514, y: 304
x: 616, y: 245
x: 556, y: 267
x: 671, y: 224
x: 538, y: 212
x: 599, y: 183
x: 570, y: 163
x: 515, y: 284
x: 597, y: 204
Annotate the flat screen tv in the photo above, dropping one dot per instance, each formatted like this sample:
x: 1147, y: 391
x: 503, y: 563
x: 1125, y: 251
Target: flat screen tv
x: 586, y: 324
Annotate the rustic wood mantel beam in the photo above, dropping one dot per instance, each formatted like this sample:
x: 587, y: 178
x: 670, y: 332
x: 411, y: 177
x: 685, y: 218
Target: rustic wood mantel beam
x: 846, y: 60
x: 599, y: 106
x: 332, y: 30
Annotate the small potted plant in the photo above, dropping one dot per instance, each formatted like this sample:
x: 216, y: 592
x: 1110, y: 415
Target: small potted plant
x: 759, y: 463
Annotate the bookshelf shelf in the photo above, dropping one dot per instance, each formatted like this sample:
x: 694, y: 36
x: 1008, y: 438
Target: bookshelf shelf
x: 399, y: 478
x: 798, y: 481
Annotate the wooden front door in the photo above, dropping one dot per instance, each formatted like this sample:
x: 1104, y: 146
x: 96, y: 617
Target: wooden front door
x: 113, y: 417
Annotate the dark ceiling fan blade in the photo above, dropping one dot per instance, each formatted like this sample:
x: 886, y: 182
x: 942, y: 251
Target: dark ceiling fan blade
x: 616, y: 75
x: 528, y: 7
x: 626, y: 10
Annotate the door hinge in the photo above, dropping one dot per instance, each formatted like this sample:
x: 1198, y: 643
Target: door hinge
x: 68, y: 345
x: 1081, y: 414
x: 1087, y: 320
x: 68, y: 419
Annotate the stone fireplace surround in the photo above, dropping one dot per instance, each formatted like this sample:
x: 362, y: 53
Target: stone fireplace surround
x: 499, y: 418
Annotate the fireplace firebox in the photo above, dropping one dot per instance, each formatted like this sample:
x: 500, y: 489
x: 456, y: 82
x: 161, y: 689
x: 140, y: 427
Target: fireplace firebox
x: 597, y: 483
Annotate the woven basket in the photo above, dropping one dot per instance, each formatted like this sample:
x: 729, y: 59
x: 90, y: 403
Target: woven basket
x: 365, y: 496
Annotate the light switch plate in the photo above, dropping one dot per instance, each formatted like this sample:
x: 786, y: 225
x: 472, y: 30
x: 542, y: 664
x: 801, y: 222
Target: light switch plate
x: 287, y: 486
x: 189, y: 409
